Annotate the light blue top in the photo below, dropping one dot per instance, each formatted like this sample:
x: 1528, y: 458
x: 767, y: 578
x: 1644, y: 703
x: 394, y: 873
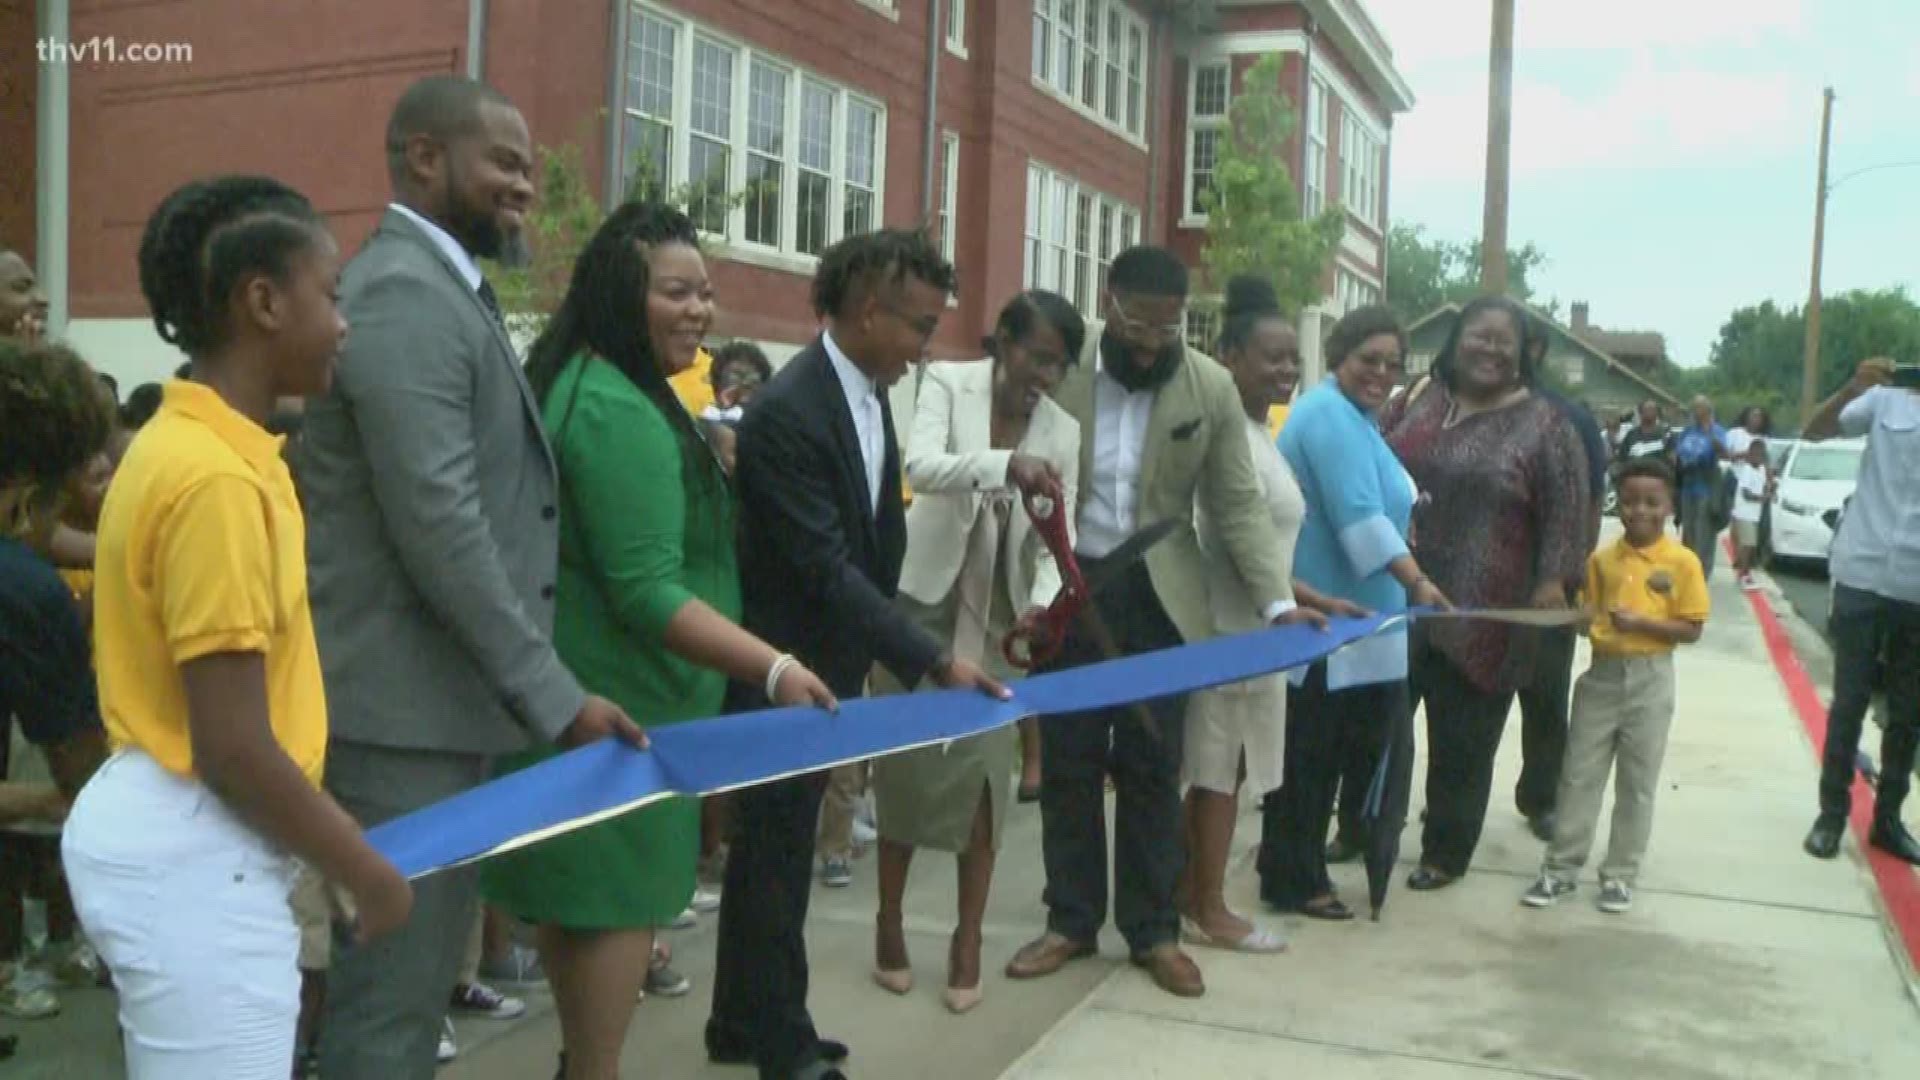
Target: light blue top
x: 1359, y: 504
x: 1878, y: 549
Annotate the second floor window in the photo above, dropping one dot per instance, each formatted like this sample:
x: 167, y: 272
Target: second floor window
x: 1093, y: 54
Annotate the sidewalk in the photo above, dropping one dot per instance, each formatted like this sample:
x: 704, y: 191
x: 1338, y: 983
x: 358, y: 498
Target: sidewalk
x: 1742, y: 957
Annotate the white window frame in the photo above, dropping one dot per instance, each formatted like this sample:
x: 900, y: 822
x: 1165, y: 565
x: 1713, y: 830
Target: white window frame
x: 1057, y: 256
x: 957, y: 28
x: 1063, y: 51
x: 1198, y: 125
x: 949, y: 192
x: 1314, y: 190
x: 785, y: 254
x: 1359, y: 169
x: 1203, y: 326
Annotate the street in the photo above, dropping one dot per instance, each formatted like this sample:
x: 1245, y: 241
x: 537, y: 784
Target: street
x: 1807, y: 589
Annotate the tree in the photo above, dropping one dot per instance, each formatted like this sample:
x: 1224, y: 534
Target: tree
x: 1253, y: 212
x: 1423, y: 274
x: 1758, y: 357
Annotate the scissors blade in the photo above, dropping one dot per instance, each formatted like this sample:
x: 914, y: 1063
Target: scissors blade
x: 1131, y: 550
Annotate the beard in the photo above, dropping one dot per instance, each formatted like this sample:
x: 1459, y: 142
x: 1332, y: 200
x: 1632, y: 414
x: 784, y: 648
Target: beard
x: 475, y: 224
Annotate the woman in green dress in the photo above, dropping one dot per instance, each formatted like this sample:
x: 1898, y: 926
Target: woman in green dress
x: 646, y: 609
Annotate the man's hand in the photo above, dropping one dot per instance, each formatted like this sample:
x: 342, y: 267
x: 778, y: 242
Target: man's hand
x: 1627, y: 622
x: 1548, y: 596
x: 381, y: 904
x: 599, y: 718
x: 1298, y: 615
x: 1032, y: 475
x: 952, y: 674
x: 1345, y: 609
x: 1876, y: 371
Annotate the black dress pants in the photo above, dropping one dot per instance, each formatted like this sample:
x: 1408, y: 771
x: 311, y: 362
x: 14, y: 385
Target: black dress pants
x: 1464, y: 725
x: 1079, y: 751
x: 1543, y: 723
x: 1870, y: 630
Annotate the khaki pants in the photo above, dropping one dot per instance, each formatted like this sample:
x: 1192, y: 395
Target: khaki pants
x: 1622, y: 710
x: 844, y: 787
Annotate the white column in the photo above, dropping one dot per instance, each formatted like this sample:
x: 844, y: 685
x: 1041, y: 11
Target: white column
x: 1313, y: 329
x: 51, y: 112
x: 476, y: 39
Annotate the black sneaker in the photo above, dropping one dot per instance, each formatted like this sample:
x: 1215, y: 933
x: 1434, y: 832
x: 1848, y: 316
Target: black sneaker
x: 1616, y: 897
x: 1547, y: 891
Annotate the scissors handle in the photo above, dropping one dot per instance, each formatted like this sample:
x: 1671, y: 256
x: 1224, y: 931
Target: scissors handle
x: 1038, y: 640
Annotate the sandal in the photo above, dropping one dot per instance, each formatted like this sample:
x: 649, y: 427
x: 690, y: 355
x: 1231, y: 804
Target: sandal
x: 1427, y: 879
x: 1257, y: 940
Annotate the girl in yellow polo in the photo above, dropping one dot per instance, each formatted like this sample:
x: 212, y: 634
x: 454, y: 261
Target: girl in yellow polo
x: 181, y: 848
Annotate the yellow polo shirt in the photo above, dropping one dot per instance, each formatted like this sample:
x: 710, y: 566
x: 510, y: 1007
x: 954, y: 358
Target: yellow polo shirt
x: 1662, y: 580
x: 694, y: 386
x: 202, y: 550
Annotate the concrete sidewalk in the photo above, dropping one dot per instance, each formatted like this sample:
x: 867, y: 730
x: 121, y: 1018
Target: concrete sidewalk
x: 1742, y: 957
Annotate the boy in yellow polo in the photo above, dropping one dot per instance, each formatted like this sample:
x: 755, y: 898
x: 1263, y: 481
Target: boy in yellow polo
x: 1647, y: 595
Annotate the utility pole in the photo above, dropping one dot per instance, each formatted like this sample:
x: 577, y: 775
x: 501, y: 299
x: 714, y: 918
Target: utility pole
x: 1810, y: 373
x: 1493, y: 230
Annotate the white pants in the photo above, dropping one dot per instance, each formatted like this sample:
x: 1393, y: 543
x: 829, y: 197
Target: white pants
x: 189, y: 908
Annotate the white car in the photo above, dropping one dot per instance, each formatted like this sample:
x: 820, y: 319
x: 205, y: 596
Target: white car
x: 1813, y: 484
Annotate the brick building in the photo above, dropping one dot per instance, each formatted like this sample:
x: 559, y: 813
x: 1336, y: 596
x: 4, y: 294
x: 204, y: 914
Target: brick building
x: 1061, y: 130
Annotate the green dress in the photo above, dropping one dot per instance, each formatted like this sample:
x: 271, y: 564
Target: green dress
x: 642, y: 532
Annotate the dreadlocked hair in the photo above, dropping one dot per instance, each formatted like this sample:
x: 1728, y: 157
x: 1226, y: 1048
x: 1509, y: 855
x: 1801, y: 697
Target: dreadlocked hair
x: 599, y: 316
x: 208, y: 236
x: 857, y: 263
x: 54, y: 417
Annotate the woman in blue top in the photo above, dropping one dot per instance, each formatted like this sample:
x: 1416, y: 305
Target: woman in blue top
x: 1353, y: 546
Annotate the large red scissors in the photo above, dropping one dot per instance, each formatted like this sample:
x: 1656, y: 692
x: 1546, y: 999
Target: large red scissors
x: 1036, y: 640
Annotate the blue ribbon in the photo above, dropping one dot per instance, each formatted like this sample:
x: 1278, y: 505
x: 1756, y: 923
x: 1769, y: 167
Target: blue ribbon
x: 726, y: 752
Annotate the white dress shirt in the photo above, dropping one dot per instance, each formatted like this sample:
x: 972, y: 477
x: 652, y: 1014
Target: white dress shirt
x: 1110, y: 511
x: 462, y: 260
x: 863, y: 401
x: 1878, y: 548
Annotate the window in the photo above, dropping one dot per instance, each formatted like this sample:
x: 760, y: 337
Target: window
x: 1359, y: 169
x: 651, y: 48
x: 1207, y: 95
x: 1315, y: 195
x: 1203, y: 327
x: 957, y: 26
x: 766, y: 153
x: 1073, y: 234
x: 1350, y: 292
x: 1093, y: 54
x: 949, y: 191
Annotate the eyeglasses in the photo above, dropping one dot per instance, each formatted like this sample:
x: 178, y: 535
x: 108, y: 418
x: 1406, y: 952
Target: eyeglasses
x: 923, y: 326
x: 1172, y: 331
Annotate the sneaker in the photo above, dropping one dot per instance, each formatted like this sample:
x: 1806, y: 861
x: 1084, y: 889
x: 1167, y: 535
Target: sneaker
x: 863, y: 833
x: 1616, y: 897
x: 24, y: 995
x: 520, y: 965
x: 686, y: 920
x: 479, y: 999
x: 663, y: 980
x: 75, y: 965
x: 836, y: 873
x: 1749, y: 583
x: 1547, y: 891
x: 448, y: 1048
x: 706, y: 899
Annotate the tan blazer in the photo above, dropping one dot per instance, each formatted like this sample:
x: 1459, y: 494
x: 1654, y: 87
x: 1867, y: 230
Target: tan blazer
x: 1196, y: 454
x: 951, y: 466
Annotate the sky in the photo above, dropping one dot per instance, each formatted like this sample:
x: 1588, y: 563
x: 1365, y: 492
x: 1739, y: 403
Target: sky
x: 1664, y: 151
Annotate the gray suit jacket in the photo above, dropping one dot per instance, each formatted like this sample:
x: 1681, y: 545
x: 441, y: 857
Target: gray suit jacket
x: 432, y: 517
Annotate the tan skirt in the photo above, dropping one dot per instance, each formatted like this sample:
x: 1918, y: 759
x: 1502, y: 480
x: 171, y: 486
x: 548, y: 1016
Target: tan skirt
x: 1247, y: 718
x: 928, y: 797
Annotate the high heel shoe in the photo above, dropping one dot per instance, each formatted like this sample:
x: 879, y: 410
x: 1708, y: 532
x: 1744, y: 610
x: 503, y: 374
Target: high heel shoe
x: 893, y: 980
x: 961, y: 999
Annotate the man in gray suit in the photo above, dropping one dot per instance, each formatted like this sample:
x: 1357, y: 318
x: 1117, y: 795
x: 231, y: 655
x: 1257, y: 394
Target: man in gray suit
x: 432, y: 537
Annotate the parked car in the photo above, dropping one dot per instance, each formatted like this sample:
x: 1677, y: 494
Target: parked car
x: 1812, y: 486
x: 1777, y: 451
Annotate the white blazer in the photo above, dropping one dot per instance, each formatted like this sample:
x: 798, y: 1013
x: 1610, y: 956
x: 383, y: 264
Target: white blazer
x: 951, y: 466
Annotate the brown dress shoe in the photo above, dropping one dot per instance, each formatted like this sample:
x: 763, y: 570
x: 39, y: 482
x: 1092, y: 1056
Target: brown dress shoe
x: 1172, y: 970
x: 1047, y: 954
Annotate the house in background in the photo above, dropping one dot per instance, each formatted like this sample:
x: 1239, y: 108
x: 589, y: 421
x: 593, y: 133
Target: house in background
x: 1574, y: 365
x: 1645, y: 351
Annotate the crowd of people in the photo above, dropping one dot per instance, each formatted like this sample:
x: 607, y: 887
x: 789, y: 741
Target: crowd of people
x: 303, y: 621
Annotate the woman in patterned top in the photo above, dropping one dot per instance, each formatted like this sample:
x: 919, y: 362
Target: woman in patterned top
x: 1506, y: 527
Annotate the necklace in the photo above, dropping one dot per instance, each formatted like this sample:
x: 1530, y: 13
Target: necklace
x: 1455, y: 414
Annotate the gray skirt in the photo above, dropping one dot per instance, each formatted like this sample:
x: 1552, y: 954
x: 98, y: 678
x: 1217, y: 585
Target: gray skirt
x: 928, y: 797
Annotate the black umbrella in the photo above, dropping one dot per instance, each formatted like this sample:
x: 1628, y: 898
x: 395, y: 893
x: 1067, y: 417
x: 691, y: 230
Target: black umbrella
x: 1385, y: 810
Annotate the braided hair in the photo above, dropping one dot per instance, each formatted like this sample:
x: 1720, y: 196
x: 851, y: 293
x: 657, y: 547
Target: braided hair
x: 209, y: 236
x: 599, y: 315
x: 1250, y: 302
x: 53, y: 419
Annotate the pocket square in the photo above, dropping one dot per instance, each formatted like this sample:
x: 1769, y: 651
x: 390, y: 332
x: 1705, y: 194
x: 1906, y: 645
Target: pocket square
x: 1185, y: 431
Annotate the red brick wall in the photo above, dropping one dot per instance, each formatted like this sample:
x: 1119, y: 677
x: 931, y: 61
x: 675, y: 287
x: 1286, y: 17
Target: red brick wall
x: 19, y: 74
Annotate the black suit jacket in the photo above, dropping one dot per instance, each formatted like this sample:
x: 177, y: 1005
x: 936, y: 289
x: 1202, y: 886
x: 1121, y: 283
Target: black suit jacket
x: 818, y: 569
